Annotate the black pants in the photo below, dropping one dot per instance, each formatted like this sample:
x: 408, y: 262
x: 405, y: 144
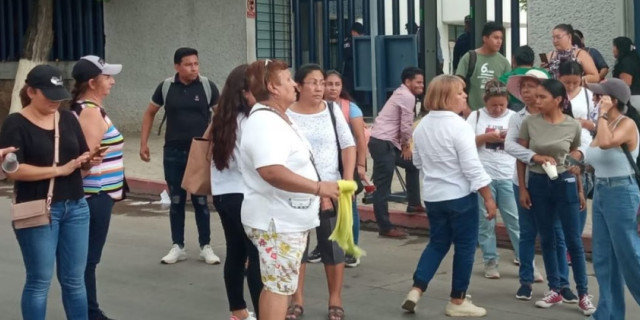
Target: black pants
x: 385, y: 159
x: 100, y: 206
x: 239, y: 248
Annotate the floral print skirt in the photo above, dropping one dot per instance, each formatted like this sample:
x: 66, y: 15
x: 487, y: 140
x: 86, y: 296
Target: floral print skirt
x: 280, y: 257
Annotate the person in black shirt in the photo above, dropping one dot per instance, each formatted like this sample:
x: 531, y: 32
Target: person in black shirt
x: 64, y: 241
x: 598, y: 59
x: 463, y: 43
x: 357, y: 29
x: 184, y: 98
x: 627, y: 67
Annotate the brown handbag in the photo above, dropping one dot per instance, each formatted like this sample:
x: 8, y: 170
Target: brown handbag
x: 37, y: 213
x: 197, y: 175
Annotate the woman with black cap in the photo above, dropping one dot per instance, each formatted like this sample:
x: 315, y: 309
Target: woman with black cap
x: 46, y: 173
x: 104, y: 184
x: 616, y: 244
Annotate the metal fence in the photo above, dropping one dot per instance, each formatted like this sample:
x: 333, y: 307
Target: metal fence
x: 78, y: 28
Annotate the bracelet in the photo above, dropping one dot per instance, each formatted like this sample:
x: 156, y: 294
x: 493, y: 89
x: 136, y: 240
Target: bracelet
x: 318, y: 189
x: 361, y: 165
x: 604, y: 116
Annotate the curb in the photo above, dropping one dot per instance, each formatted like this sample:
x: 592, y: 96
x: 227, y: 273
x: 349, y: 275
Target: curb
x: 399, y: 218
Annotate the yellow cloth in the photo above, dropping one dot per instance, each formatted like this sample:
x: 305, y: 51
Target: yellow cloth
x: 343, y: 232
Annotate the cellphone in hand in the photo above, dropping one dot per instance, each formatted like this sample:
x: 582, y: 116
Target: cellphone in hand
x: 99, y: 151
x: 543, y: 58
x: 570, y: 161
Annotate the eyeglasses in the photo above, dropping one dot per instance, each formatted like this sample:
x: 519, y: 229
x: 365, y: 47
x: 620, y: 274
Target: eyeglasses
x: 496, y: 90
x: 315, y: 83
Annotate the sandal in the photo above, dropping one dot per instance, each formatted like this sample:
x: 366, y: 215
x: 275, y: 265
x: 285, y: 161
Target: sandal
x: 336, y: 313
x: 294, y: 312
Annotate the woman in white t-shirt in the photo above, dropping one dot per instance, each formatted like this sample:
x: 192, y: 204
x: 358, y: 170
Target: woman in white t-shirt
x: 333, y: 147
x: 281, y: 199
x: 229, y: 117
x: 585, y: 111
x: 490, y: 126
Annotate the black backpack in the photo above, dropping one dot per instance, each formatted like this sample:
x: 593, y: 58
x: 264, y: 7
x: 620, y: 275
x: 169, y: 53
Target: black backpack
x: 473, y: 58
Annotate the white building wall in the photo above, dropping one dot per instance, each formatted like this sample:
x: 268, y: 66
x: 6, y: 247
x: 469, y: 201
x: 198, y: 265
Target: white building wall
x: 600, y: 20
x: 143, y: 36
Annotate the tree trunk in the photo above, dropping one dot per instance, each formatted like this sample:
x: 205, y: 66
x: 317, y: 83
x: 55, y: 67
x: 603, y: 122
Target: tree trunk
x: 37, y: 46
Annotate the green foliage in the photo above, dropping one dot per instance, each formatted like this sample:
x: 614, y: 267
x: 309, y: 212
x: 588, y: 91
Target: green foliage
x: 523, y: 5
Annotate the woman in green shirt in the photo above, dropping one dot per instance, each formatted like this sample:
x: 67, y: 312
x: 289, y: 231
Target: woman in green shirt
x: 553, y: 134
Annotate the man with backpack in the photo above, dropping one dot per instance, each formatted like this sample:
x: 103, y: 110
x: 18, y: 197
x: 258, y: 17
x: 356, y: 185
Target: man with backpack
x: 390, y: 146
x: 483, y: 64
x: 187, y: 98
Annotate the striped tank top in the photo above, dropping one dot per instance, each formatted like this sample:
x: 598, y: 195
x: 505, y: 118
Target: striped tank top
x: 107, y: 177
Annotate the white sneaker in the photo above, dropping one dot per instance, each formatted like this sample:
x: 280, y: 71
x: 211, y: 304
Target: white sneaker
x: 252, y: 316
x: 466, y: 309
x: 537, y: 276
x: 411, y: 301
x: 206, y: 254
x: 491, y: 270
x: 175, y: 254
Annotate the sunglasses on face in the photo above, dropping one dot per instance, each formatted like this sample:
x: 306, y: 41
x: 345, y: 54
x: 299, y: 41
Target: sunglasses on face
x: 496, y: 90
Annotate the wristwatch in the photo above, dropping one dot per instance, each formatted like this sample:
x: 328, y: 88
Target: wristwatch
x: 604, y: 116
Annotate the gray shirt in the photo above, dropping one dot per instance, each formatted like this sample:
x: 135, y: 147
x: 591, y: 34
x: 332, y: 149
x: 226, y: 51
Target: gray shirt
x: 551, y: 139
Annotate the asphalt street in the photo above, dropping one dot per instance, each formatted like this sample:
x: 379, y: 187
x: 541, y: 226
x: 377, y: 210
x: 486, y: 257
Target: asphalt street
x: 132, y: 284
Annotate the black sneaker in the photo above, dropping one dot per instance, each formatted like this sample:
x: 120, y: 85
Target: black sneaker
x: 315, y: 257
x: 351, y: 262
x: 568, y: 296
x: 524, y: 293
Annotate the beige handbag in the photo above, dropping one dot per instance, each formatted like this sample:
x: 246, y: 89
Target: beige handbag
x: 197, y: 175
x: 37, y: 213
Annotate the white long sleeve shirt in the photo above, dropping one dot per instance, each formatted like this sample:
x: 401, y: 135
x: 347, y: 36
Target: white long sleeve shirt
x: 511, y: 145
x: 445, y: 152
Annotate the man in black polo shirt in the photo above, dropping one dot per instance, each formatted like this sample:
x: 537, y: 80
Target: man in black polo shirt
x: 188, y: 110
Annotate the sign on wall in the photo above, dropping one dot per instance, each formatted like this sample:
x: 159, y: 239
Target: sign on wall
x: 251, y: 9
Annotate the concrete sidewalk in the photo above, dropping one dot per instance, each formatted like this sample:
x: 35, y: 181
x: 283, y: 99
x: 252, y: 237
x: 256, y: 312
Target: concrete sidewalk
x: 148, y: 178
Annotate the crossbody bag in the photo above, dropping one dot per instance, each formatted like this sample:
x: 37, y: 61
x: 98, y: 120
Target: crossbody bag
x: 37, y: 213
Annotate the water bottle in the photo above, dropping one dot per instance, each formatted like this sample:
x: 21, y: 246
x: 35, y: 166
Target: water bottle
x: 10, y: 163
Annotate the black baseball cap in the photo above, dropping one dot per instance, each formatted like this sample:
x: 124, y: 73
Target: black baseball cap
x: 89, y: 67
x: 49, y: 80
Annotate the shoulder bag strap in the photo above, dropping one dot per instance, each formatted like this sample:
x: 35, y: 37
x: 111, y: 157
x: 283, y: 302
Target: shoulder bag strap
x: 630, y: 159
x: 56, y: 155
x: 313, y: 162
x: 335, y: 132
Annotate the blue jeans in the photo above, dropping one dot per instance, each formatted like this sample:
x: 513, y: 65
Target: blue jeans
x: 452, y: 221
x: 616, y: 245
x: 63, y: 243
x: 356, y: 221
x: 100, y: 206
x: 503, y: 193
x: 528, y: 234
x: 175, y: 163
x: 553, y: 199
